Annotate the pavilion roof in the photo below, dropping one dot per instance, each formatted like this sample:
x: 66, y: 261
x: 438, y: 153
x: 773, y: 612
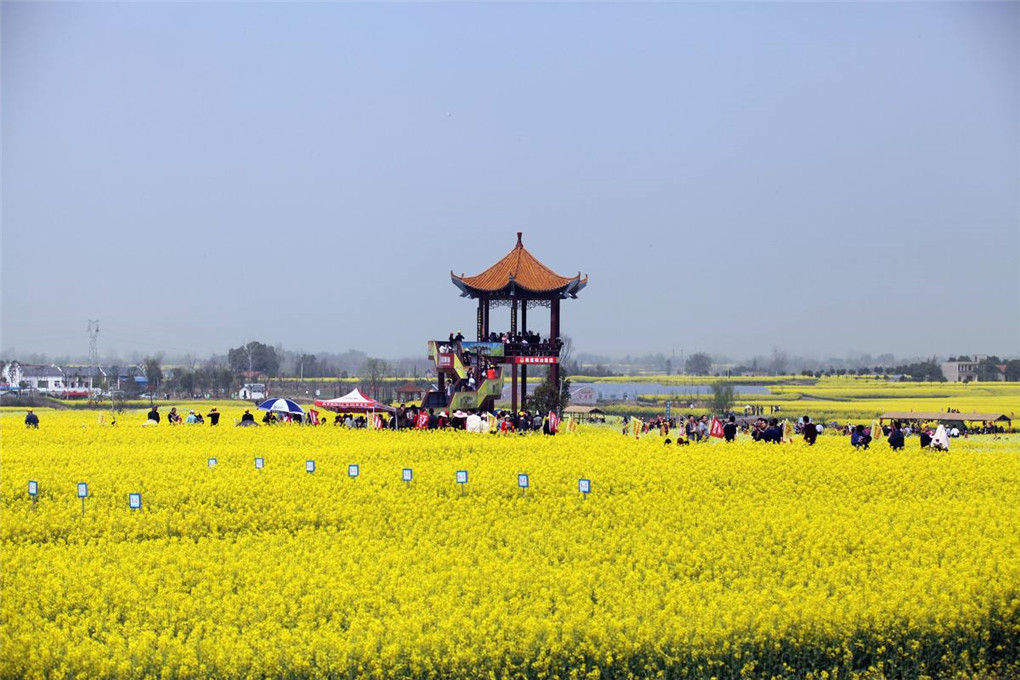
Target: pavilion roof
x: 518, y: 274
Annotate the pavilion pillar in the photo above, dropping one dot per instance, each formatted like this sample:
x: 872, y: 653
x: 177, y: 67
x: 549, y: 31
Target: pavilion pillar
x: 554, y: 334
x: 524, y: 367
x: 513, y: 390
x: 513, y: 316
x: 485, y: 320
x: 480, y: 320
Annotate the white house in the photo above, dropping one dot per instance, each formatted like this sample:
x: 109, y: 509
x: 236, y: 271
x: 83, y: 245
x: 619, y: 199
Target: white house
x: 584, y: 396
x: 252, y: 391
x: 965, y: 371
x: 45, y: 379
x: 81, y: 381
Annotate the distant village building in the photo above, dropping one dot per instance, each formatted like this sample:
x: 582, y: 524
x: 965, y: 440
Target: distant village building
x: 128, y: 379
x: 82, y: 381
x: 584, y: 396
x: 966, y: 371
x: 252, y: 391
x: 44, y: 379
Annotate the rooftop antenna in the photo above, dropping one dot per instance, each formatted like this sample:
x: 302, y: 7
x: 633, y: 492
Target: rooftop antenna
x: 93, y: 332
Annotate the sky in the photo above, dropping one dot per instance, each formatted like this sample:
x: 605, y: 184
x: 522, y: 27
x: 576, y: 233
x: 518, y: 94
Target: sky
x: 825, y: 178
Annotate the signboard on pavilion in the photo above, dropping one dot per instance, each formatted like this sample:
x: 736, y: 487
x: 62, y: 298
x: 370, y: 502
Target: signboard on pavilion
x: 534, y: 360
x: 486, y: 349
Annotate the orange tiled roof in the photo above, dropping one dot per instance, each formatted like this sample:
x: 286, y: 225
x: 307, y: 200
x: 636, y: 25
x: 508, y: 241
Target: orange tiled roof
x: 522, y: 269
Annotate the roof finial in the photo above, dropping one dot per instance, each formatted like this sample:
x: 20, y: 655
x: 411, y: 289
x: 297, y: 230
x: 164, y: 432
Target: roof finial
x: 519, y: 244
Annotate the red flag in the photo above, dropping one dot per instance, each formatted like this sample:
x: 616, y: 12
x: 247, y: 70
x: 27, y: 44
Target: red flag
x: 378, y: 422
x: 423, y: 420
x: 715, y: 429
x: 554, y: 422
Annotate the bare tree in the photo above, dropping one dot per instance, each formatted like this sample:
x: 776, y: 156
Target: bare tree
x: 778, y: 362
x: 374, y: 370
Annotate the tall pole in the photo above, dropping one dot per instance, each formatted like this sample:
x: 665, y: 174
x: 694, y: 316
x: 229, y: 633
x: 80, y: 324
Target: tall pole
x: 524, y: 367
x: 513, y: 369
x: 513, y: 390
x: 554, y: 335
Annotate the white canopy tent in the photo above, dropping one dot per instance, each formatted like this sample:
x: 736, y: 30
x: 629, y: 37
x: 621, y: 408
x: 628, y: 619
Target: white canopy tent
x: 354, y: 402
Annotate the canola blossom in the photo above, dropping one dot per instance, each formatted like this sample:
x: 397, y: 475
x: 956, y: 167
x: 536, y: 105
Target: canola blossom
x: 711, y: 560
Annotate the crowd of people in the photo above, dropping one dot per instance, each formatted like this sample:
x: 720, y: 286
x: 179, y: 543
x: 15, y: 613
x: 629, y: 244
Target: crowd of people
x: 404, y: 417
x: 174, y: 418
x: 698, y: 429
x: 527, y: 343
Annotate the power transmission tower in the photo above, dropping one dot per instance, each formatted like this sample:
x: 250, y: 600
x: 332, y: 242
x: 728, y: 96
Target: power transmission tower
x: 93, y: 331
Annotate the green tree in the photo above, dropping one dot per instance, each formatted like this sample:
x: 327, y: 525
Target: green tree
x: 184, y: 381
x: 548, y: 397
x: 1013, y: 370
x: 153, y: 372
x: 256, y: 357
x: 698, y: 363
x: 722, y: 397
x: 988, y: 369
x: 307, y: 366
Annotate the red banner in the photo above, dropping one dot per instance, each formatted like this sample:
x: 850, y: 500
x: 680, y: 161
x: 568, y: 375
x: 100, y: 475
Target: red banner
x: 716, y: 429
x: 423, y: 420
x: 534, y: 360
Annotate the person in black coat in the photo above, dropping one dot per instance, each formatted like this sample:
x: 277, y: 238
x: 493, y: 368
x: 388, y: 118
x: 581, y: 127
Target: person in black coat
x: 730, y: 429
x: 773, y: 433
x: 810, y: 431
x: 154, y: 414
x: 896, y: 437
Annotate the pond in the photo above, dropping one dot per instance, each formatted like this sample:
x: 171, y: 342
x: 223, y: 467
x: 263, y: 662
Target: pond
x: 610, y: 391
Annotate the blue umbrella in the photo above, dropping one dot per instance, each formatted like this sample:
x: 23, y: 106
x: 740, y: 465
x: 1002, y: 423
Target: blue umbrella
x: 281, y: 406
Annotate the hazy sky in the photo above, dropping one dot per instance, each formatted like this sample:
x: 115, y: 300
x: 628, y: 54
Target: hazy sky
x: 820, y: 177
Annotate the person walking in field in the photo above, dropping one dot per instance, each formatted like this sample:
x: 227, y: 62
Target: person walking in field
x: 810, y: 431
x: 703, y: 429
x: 213, y: 416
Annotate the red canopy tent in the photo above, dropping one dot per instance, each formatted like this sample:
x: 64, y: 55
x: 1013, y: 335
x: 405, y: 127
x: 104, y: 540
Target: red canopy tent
x: 353, y: 402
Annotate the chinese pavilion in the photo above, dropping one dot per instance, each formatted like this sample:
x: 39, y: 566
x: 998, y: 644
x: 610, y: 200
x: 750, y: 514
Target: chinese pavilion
x: 520, y: 282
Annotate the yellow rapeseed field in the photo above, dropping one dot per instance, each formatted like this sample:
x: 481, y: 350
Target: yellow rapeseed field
x: 710, y: 560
